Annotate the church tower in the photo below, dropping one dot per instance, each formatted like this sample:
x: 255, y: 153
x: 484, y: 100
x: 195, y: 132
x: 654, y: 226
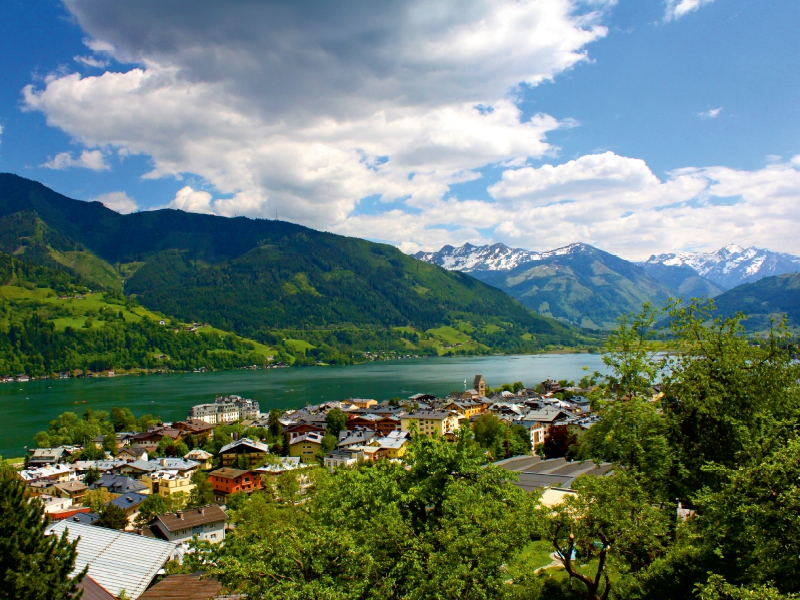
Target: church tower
x: 479, y: 385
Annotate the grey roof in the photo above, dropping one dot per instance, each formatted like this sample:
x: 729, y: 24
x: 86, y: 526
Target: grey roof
x: 116, y: 560
x: 129, y: 500
x: 429, y: 414
x: 85, y: 518
x: 118, y: 484
x: 256, y: 446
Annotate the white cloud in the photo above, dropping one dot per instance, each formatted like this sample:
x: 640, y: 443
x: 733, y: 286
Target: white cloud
x: 190, y: 200
x: 118, y: 201
x: 1, y: 130
x: 91, y: 61
x: 711, y: 113
x: 308, y: 111
x: 88, y: 159
x: 678, y: 8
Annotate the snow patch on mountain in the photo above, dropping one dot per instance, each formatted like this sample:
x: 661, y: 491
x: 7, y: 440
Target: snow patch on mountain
x: 732, y: 265
x: 497, y: 257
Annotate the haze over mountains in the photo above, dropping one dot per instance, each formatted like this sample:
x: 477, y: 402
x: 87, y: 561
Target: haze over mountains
x: 586, y: 286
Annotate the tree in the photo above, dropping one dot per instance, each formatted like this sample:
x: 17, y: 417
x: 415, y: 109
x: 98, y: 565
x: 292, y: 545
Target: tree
x: 152, y: 506
x: 609, y: 519
x: 92, y: 475
x: 95, y: 500
x: 558, y: 442
x: 203, y: 492
x: 274, y: 423
x: 32, y: 565
x: 110, y: 443
x: 112, y: 517
x: 335, y: 421
x: 123, y: 419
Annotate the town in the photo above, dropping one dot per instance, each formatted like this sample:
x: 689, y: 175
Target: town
x: 160, y: 487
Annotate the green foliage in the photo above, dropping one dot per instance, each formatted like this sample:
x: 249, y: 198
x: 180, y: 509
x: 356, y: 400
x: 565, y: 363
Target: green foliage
x: 95, y: 500
x: 123, y: 419
x: 112, y: 517
x: 110, y: 443
x: 169, y: 447
x: 92, y: 475
x: 32, y: 565
x: 499, y: 438
x: 335, y: 422
x: 441, y: 528
x: 70, y: 429
x: 203, y: 493
x: 153, y: 506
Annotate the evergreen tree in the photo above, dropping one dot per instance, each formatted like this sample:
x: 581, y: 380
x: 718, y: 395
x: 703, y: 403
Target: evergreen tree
x: 33, y: 566
x: 112, y: 517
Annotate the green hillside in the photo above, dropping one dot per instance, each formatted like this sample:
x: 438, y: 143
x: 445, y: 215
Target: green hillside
x: 772, y: 297
x: 268, y: 280
x: 585, y: 286
x: 682, y: 281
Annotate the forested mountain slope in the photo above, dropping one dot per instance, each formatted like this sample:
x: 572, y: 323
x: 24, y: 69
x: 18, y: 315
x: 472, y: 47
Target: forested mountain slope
x: 257, y: 277
x: 777, y: 297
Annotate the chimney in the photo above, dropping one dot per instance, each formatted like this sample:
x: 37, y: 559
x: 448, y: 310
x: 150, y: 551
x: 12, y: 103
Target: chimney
x: 203, y: 510
x: 179, y: 514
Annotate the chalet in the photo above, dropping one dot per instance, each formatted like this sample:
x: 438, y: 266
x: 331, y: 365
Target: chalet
x: 117, y: 485
x: 355, y: 438
x: 393, y: 445
x: 227, y: 481
x: 253, y: 451
x: 466, y: 408
x: 426, y: 398
x: 68, y: 489
x: 300, y: 429
x: 363, y: 402
x: 129, y: 503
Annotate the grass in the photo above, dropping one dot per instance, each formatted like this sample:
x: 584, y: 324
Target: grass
x: 492, y: 329
x: 535, y: 555
x: 459, y: 341
x: 298, y: 345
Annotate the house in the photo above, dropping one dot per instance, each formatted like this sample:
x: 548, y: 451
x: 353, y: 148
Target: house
x: 431, y: 422
x: 75, y: 513
x: 184, y: 587
x: 394, y: 445
x: 306, y: 446
x: 227, y: 481
x: 206, y: 522
x: 41, y: 457
x: 426, y: 398
x: 194, y: 427
x: 355, y: 438
x: 466, y: 408
x: 51, y: 504
x: 155, y: 435
x: 536, y: 430
x: 116, y: 560
x: 54, y: 473
x: 123, y: 438
x: 286, y: 463
x: 201, y: 457
x: 225, y: 410
x: 117, y: 485
x: 381, y: 423
x: 104, y: 466
x: 169, y: 484
x: 253, y: 451
x: 130, y: 503
x: 340, y: 458
x: 132, y: 453
x: 363, y: 402
x: 68, y: 489
x: 303, y: 428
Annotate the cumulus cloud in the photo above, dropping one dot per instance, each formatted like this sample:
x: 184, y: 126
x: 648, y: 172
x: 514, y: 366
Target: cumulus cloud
x: 88, y: 159
x: 118, y: 201
x: 190, y: 200
x: 309, y: 109
x: 678, y: 8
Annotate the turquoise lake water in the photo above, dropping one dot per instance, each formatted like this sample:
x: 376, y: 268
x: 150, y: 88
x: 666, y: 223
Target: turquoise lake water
x: 26, y: 408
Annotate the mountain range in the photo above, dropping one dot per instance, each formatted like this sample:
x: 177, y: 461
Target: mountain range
x: 270, y: 281
x: 585, y: 286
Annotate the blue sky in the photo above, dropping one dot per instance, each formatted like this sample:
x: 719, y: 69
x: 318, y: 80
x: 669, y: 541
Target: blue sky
x: 640, y: 126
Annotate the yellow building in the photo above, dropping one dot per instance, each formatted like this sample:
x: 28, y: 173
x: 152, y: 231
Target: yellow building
x: 169, y: 484
x: 363, y: 402
x: 393, y: 445
x: 430, y: 422
x: 466, y: 408
x: 306, y: 446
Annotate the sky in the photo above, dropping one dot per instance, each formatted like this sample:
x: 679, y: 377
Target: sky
x: 637, y: 126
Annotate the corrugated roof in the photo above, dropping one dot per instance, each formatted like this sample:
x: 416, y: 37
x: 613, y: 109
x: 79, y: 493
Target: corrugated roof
x: 116, y: 560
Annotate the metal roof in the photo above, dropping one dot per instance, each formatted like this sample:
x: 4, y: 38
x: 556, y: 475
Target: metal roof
x: 116, y: 560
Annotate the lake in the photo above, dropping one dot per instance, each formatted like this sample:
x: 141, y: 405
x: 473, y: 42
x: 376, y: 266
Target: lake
x: 27, y: 408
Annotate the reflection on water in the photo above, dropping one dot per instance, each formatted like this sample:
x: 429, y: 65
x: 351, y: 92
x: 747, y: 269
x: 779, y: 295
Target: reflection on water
x: 26, y: 408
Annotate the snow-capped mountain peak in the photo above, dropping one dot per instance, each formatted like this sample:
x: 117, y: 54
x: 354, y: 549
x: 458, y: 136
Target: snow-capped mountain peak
x: 497, y: 257
x: 731, y: 265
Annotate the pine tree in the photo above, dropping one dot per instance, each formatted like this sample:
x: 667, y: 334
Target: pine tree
x: 32, y: 565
